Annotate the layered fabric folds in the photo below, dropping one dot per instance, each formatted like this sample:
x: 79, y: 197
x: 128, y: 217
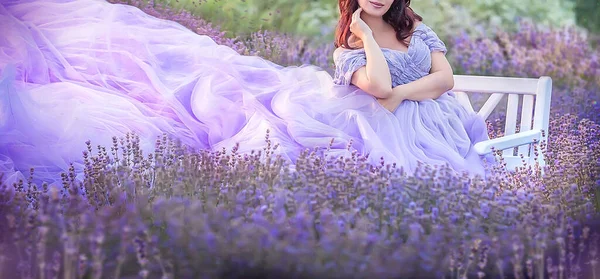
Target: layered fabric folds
x: 72, y: 71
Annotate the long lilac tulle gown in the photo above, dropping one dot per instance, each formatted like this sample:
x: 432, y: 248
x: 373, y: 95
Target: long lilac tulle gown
x: 87, y: 69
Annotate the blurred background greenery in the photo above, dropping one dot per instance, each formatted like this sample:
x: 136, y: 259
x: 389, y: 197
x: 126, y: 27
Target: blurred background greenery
x: 316, y: 19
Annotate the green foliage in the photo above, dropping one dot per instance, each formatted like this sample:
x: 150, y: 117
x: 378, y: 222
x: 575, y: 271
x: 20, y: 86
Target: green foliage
x: 506, y: 12
x: 241, y: 17
x: 478, y: 17
x: 588, y: 14
x: 445, y: 18
x: 317, y: 18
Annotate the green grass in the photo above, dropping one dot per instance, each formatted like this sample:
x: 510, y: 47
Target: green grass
x: 313, y: 19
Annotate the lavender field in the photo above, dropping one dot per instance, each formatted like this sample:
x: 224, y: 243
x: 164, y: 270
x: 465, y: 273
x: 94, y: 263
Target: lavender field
x: 178, y: 213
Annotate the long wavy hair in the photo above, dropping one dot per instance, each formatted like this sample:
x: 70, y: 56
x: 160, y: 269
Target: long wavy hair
x: 400, y: 16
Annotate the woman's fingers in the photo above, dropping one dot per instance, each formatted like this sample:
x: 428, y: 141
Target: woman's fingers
x: 356, y: 14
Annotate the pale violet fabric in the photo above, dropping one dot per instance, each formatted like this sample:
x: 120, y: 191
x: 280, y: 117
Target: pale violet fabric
x: 72, y: 71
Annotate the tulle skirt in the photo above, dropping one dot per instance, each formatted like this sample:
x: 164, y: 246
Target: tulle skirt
x: 73, y: 71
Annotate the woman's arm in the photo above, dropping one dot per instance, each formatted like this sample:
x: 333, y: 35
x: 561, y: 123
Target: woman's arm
x: 375, y: 77
x: 432, y: 86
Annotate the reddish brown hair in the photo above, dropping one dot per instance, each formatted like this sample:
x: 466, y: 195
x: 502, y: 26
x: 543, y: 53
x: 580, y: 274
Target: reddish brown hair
x: 400, y: 16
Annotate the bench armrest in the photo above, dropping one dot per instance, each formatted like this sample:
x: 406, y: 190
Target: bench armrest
x: 506, y: 142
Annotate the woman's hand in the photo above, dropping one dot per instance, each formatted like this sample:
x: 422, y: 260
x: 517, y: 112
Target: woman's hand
x: 375, y: 77
x: 391, y: 103
x: 358, y: 27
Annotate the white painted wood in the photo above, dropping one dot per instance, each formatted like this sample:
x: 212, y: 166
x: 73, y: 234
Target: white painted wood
x: 541, y: 118
x: 511, y: 119
x: 490, y: 104
x: 527, y: 113
x: 536, y: 92
x: 526, y: 125
x: 490, y: 85
x: 463, y: 99
x: 510, y: 141
x: 513, y: 162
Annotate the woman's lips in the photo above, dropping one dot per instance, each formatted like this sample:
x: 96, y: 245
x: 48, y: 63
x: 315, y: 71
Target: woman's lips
x: 376, y: 4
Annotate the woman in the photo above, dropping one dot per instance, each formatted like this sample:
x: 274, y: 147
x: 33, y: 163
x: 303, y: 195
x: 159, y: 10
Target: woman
x: 386, y: 50
x: 82, y: 70
x: 393, y: 23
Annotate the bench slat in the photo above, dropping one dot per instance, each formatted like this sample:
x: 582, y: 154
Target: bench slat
x: 526, y: 117
x: 463, y: 99
x: 490, y: 105
x: 490, y: 85
x: 505, y: 142
x: 511, y: 118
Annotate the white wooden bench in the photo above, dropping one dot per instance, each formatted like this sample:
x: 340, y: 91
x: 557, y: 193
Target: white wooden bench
x: 535, y: 105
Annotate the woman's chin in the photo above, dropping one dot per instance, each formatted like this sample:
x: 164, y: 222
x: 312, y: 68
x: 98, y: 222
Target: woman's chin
x: 375, y: 12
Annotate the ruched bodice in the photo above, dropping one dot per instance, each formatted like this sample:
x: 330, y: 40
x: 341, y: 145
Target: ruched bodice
x: 405, y: 67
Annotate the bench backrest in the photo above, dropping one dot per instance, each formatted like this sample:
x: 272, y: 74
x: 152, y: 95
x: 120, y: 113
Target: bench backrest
x: 535, y: 101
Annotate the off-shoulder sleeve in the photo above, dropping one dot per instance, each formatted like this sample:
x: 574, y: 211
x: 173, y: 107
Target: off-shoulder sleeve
x: 346, y: 63
x: 432, y: 40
